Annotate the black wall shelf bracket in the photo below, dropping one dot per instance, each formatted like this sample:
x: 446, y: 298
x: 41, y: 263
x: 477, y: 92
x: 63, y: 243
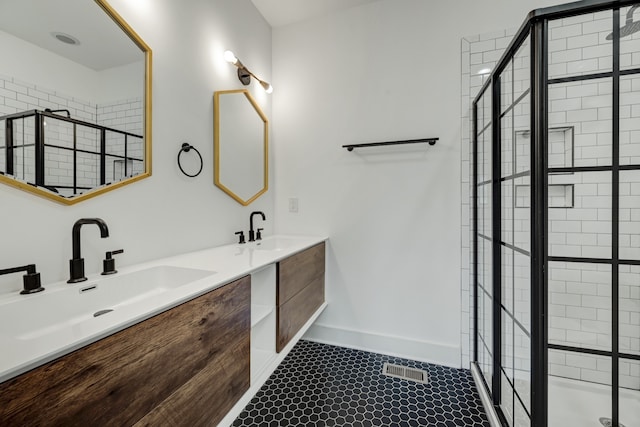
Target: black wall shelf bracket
x: 430, y: 141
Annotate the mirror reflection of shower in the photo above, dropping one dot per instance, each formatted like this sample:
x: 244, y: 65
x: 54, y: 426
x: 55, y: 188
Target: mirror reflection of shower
x: 630, y: 26
x: 66, y: 155
x: 62, y: 110
x: 103, y: 80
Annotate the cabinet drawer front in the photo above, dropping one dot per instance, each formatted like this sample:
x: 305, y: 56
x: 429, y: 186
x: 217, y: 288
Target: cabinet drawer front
x: 156, y: 367
x: 297, y: 271
x: 293, y: 314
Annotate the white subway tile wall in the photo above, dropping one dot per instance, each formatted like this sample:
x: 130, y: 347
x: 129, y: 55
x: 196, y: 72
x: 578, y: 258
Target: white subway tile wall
x: 515, y: 230
x: 580, y: 115
x: 629, y: 120
x: 25, y: 137
x: 479, y: 53
x: 125, y: 115
x: 629, y: 43
x: 522, y: 296
x: 579, y: 45
x: 580, y: 366
x: 585, y: 229
x: 629, y: 310
x: 17, y: 96
x: 466, y: 317
x: 580, y: 305
x: 586, y: 108
x: 516, y: 222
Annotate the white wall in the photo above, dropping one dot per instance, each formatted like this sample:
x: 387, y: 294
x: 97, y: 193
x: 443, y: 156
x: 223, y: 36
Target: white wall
x: 167, y: 213
x: 122, y: 82
x: 388, y: 70
x: 37, y: 66
x: 34, y: 65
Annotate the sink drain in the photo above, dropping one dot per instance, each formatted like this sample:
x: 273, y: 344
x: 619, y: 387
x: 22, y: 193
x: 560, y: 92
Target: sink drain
x: 608, y: 422
x: 101, y: 312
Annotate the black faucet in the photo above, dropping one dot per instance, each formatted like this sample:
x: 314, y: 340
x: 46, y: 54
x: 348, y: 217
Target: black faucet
x: 76, y: 265
x: 252, y: 233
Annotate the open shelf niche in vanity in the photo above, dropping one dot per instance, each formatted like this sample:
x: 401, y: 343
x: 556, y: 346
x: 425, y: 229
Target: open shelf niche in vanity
x: 284, y: 296
x: 287, y: 296
x: 263, y: 320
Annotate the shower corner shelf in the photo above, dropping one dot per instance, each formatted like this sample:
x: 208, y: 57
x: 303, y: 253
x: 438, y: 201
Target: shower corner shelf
x: 430, y: 141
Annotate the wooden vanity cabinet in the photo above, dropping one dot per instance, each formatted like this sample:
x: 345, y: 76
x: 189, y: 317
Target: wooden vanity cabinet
x: 300, y: 291
x: 185, y: 367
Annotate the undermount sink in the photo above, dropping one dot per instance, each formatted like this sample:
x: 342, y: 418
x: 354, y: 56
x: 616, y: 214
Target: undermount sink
x: 72, y: 307
x: 275, y: 244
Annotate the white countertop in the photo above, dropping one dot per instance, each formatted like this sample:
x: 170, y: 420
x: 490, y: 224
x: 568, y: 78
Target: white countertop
x: 24, y: 350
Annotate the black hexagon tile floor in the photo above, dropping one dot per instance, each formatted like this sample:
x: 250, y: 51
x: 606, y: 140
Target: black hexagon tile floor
x: 325, y: 385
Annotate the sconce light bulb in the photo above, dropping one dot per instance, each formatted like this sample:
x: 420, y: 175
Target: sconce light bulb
x: 230, y: 57
x: 266, y: 86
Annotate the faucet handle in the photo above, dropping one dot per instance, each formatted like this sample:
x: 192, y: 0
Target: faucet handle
x: 109, y: 264
x: 110, y: 253
x: 259, y: 234
x: 241, y: 237
x: 31, y: 280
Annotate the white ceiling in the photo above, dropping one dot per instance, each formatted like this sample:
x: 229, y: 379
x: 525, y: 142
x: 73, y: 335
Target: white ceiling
x: 103, y: 44
x: 284, y: 12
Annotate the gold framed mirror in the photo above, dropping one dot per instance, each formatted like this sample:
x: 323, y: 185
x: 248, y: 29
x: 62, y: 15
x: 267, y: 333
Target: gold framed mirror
x: 75, y: 121
x: 241, y: 146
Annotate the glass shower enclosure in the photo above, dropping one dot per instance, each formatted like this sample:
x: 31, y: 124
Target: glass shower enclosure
x: 556, y: 219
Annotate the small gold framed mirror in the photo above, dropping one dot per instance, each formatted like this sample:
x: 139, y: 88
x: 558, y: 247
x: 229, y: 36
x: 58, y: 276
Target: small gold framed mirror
x: 79, y: 124
x: 241, y: 146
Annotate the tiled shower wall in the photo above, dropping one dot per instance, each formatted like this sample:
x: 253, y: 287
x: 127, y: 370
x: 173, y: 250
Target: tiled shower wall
x: 580, y: 297
x: 17, y: 96
x: 126, y: 115
x: 580, y: 203
x: 479, y: 53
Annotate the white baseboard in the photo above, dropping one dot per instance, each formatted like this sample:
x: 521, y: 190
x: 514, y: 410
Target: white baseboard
x: 423, y: 351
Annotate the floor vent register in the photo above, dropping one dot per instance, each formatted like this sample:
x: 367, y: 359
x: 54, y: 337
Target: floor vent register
x: 404, y: 373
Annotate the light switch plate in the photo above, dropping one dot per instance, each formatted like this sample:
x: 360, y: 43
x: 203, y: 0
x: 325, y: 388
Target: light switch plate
x: 293, y: 204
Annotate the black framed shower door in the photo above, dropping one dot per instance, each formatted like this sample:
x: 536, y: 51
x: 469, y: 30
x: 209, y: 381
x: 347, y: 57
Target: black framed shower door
x: 552, y: 200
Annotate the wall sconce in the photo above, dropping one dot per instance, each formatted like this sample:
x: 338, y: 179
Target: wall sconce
x: 244, y: 75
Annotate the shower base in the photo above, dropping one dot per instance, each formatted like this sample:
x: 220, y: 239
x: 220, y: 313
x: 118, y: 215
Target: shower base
x: 574, y: 403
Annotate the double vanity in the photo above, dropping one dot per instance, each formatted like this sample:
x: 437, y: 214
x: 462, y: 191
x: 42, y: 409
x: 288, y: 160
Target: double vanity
x: 185, y: 340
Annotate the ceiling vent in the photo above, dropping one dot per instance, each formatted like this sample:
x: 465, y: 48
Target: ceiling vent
x: 66, y: 38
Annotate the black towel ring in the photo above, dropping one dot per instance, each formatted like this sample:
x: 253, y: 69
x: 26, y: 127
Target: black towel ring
x: 186, y: 147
